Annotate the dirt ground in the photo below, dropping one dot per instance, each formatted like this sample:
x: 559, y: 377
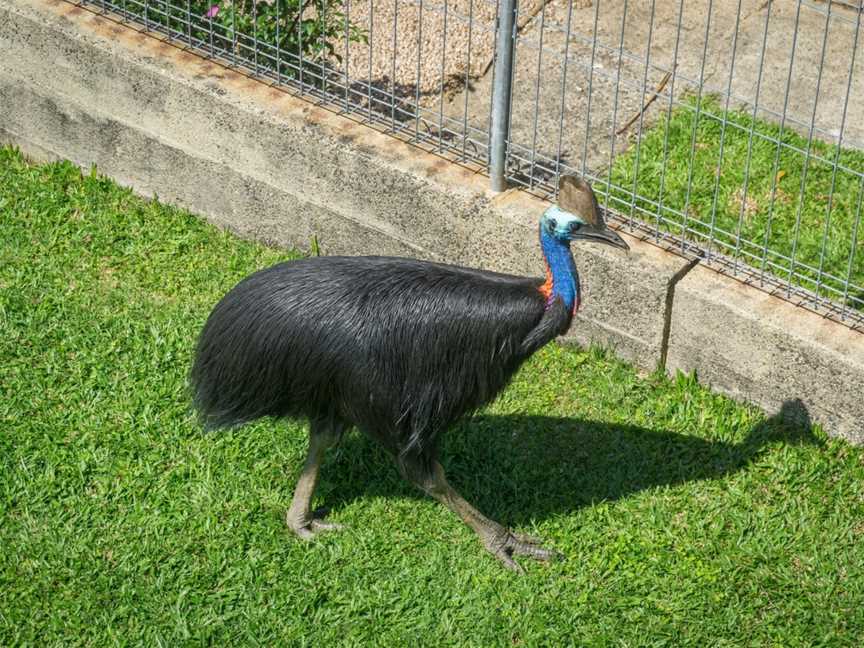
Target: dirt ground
x: 435, y: 41
x: 550, y: 109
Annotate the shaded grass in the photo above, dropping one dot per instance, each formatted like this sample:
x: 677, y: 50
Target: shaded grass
x: 687, y: 519
x: 770, y: 211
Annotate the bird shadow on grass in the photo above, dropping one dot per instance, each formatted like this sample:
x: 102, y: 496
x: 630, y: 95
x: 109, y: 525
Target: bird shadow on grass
x: 523, y: 469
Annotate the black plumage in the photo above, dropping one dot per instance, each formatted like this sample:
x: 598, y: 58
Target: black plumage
x: 398, y: 348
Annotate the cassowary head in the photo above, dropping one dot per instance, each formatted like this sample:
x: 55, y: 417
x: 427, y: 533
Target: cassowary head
x: 577, y: 216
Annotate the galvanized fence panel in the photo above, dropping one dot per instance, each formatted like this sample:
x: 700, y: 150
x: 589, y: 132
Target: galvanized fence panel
x: 733, y: 127
x: 729, y: 130
x: 386, y: 62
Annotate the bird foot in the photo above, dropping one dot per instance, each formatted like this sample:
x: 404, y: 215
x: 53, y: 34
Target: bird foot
x: 307, y: 528
x: 509, y: 544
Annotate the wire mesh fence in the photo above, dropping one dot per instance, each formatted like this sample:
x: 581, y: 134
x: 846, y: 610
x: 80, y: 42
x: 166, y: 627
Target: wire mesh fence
x: 392, y: 63
x: 732, y: 130
x: 734, y: 126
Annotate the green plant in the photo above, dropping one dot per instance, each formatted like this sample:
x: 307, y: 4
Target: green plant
x: 754, y: 195
x: 285, y: 36
x: 307, y: 27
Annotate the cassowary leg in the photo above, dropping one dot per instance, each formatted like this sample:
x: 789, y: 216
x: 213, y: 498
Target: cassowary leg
x: 499, y: 541
x: 300, y: 518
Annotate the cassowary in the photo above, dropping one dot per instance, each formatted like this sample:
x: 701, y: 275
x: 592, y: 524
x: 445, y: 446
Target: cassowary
x: 398, y: 348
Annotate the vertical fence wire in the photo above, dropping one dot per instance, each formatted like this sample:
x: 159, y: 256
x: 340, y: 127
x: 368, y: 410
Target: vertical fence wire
x: 836, y: 161
x: 668, y: 123
x: 584, y: 165
x: 254, y: 34
x: 491, y: 101
x: 776, y: 166
x: 467, y: 80
x: 723, y: 124
x: 347, y: 79
x: 235, y: 41
x: 810, y: 134
x: 634, y: 192
x: 563, y: 91
x: 612, y: 135
x: 393, y: 67
x: 537, y: 97
x: 417, y: 80
x: 301, y: 8
x: 853, y: 247
x: 695, y: 128
x: 370, y: 54
x: 514, y: 31
x: 441, y: 90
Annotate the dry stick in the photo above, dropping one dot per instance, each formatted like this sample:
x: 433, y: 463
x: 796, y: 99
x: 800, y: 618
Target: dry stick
x: 656, y: 94
x: 523, y: 22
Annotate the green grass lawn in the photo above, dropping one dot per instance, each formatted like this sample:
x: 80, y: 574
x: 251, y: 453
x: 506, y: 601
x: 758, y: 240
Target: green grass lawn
x: 770, y: 212
x: 686, y: 519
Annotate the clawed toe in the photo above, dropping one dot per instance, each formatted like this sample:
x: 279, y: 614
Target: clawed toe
x: 515, y: 544
x: 532, y: 549
x: 321, y: 525
x: 307, y: 529
x: 526, y: 539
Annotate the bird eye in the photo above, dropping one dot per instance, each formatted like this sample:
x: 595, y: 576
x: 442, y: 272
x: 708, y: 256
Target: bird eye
x: 553, y: 224
x: 575, y: 226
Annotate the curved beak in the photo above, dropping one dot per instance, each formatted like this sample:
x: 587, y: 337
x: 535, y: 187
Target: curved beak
x: 606, y: 235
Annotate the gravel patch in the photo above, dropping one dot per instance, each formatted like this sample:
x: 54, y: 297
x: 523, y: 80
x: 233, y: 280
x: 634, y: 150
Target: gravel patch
x: 418, y: 49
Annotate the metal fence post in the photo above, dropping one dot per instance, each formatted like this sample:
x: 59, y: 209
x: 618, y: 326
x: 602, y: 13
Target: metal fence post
x: 501, y: 89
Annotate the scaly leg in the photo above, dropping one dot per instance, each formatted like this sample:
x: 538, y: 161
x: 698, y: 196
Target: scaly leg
x: 300, y: 518
x: 499, y: 541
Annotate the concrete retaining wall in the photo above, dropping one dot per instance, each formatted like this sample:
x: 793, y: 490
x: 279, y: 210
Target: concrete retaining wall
x: 267, y: 165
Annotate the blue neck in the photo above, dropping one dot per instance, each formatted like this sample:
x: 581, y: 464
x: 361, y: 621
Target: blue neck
x: 565, y: 278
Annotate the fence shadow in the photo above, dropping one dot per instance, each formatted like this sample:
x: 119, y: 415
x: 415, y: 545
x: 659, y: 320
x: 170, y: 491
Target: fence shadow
x: 519, y: 469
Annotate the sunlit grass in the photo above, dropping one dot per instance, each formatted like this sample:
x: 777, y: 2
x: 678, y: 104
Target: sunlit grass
x: 753, y: 198
x: 686, y: 519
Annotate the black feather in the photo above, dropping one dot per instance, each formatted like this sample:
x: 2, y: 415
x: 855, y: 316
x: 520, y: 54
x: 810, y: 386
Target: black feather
x: 397, y: 347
